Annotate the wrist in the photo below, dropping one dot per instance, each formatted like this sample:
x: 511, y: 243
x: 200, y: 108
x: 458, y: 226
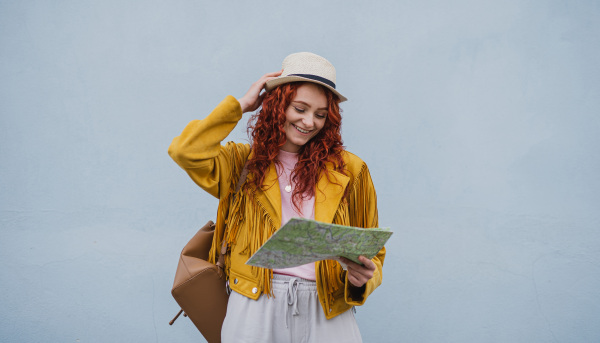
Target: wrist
x: 243, y: 105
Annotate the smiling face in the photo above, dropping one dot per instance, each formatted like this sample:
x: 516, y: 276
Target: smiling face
x: 305, y: 116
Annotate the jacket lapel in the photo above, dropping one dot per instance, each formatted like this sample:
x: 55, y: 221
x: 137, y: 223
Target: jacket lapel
x: 329, y: 194
x: 270, y: 198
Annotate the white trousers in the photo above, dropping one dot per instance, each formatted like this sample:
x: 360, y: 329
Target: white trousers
x: 293, y: 315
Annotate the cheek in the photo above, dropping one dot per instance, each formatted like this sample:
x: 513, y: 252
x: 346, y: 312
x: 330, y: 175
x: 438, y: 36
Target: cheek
x: 289, y: 116
x: 287, y: 127
x: 321, y: 125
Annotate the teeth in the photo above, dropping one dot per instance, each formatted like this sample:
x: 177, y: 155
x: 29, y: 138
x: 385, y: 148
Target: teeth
x: 301, y: 130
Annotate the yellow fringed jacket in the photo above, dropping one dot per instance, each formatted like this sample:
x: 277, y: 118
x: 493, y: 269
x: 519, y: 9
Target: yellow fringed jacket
x: 250, y: 222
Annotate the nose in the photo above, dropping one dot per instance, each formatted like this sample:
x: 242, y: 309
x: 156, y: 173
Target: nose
x: 308, y: 121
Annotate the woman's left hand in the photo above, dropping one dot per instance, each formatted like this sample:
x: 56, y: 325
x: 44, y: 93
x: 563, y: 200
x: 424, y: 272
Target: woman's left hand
x: 359, y: 275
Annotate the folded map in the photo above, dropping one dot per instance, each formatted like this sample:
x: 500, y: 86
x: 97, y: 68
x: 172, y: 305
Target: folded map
x: 302, y: 241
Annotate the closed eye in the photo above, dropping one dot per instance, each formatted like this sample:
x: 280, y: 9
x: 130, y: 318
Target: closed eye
x: 299, y: 110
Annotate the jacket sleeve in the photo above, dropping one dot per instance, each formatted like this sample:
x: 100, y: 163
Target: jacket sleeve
x: 362, y: 202
x: 199, y: 152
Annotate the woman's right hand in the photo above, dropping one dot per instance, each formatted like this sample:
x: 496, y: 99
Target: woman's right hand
x: 252, y: 99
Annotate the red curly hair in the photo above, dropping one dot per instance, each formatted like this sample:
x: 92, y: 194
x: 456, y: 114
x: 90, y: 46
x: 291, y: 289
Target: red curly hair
x: 267, y: 134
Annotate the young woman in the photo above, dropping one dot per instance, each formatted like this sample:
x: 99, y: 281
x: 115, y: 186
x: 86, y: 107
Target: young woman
x: 297, y: 168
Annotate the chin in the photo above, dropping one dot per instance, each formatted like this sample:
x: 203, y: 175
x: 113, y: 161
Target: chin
x: 302, y: 142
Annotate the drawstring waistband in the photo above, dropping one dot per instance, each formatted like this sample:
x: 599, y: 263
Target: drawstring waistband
x: 291, y: 284
x: 292, y: 299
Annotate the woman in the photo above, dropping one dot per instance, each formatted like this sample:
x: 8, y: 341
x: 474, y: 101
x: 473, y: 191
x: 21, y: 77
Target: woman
x: 297, y: 167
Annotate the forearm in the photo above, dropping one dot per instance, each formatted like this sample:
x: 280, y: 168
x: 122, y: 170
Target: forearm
x: 199, y: 152
x: 201, y: 139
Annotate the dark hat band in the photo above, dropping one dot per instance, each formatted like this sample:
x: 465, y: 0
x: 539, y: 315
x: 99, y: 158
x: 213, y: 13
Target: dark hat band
x: 316, y: 78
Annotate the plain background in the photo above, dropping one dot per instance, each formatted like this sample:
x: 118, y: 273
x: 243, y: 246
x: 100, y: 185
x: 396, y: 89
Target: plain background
x: 478, y: 120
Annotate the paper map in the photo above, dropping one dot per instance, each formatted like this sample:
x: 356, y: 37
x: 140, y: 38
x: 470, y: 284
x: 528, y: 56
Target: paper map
x: 302, y: 241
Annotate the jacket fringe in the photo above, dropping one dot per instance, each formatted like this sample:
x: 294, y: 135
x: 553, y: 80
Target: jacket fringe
x: 260, y: 228
x: 237, y: 161
x: 331, y: 271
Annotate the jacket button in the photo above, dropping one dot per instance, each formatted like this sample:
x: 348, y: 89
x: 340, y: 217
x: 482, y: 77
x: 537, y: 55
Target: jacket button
x: 330, y: 310
x: 254, y: 290
x: 235, y: 281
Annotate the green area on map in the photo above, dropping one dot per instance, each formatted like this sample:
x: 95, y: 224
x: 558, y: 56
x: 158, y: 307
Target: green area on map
x: 302, y: 241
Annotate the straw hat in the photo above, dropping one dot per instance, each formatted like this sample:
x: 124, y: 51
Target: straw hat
x: 306, y: 66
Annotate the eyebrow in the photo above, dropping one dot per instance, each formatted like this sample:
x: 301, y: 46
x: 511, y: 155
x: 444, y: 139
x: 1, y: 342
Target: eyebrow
x: 306, y: 104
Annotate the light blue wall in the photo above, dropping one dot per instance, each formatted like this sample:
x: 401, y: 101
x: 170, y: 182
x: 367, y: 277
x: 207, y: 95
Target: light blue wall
x: 479, y: 121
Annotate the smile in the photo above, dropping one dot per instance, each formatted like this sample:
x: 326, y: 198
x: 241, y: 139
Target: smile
x: 301, y: 130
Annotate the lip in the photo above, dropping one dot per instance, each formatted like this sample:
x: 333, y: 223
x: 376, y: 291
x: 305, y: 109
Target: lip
x: 298, y: 129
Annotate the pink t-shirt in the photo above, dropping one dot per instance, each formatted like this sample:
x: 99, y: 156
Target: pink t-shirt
x: 288, y: 211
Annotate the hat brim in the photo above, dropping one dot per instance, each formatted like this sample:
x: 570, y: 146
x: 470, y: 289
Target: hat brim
x: 287, y: 79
